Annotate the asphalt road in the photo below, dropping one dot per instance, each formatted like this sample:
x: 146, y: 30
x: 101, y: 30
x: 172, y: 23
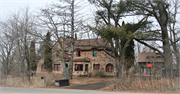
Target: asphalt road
x: 12, y: 90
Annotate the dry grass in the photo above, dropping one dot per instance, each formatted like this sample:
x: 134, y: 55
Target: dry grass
x: 89, y: 80
x: 37, y: 82
x: 133, y: 84
x: 20, y: 82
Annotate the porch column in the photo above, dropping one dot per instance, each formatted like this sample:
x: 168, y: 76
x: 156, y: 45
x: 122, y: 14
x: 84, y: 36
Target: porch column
x: 84, y: 67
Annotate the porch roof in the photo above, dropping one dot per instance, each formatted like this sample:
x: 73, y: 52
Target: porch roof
x: 81, y: 60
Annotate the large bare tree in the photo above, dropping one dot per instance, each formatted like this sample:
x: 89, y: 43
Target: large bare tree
x: 158, y: 10
x: 7, y: 44
x: 19, y: 26
x: 61, y: 20
x: 174, y: 30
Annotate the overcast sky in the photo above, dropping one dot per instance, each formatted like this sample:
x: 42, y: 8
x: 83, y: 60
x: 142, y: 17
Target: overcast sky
x: 12, y: 6
x: 7, y: 7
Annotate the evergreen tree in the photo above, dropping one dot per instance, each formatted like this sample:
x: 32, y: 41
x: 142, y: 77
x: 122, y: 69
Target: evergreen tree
x: 129, y: 53
x: 120, y: 36
x: 32, y: 56
x: 47, y: 53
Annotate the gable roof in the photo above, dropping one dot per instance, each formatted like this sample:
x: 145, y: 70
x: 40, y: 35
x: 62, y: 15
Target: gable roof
x: 87, y: 44
x: 150, y: 57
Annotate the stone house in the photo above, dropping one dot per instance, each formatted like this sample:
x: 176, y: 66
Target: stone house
x: 152, y: 58
x: 91, y: 57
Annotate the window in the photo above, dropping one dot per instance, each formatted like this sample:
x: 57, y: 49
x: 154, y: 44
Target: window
x: 96, y: 66
x: 94, y: 53
x: 58, y: 53
x: 86, y: 67
x: 148, y: 57
x: 78, y: 53
x: 158, y: 57
x: 109, y: 68
x: 78, y: 67
x: 57, y: 67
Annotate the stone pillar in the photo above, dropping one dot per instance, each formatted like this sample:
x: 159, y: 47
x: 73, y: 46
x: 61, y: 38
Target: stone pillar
x: 83, y: 66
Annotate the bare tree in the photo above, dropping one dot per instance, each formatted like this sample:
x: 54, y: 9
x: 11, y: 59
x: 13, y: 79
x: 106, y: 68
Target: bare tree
x: 19, y: 25
x: 158, y: 10
x: 61, y: 21
x: 6, y: 48
x: 174, y: 29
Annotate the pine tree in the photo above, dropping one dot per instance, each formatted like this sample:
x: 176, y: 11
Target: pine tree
x: 47, y: 53
x: 129, y: 53
x: 32, y: 56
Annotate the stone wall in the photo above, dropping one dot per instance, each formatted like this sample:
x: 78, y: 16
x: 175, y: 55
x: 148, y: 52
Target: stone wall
x: 102, y: 58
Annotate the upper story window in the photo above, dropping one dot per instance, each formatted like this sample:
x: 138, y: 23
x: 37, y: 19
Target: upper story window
x: 58, y: 53
x: 57, y: 67
x: 78, y: 53
x: 94, y: 53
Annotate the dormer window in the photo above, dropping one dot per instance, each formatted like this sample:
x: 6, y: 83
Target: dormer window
x: 94, y: 53
x: 78, y: 53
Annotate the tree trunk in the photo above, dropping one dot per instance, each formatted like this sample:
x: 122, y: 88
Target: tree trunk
x: 163, y: 20
x: 26, y: 54
x: 167, y: 56
x: 64, y: 69
x: 117, y: 59
x: 72, y: 42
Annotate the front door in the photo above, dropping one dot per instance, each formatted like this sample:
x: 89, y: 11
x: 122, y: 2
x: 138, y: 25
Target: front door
x: 66, y: 68
x: 67, y: 71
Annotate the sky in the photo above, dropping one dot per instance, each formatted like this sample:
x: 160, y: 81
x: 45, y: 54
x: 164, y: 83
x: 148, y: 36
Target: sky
x: 12, y: 6
x: 7, y: 7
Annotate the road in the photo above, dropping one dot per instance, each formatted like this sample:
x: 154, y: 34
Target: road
x: 12, y: 90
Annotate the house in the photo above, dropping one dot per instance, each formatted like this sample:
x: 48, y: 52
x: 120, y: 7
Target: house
x: 91, y: 57
x: 150, y: 61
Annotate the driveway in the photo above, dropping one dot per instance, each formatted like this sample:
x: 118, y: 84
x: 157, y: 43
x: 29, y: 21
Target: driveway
x: 95, y: 86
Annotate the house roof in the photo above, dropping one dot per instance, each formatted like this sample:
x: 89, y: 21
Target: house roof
x: 150, y: 57
x: 81, y: 60
x: 87, y: 44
